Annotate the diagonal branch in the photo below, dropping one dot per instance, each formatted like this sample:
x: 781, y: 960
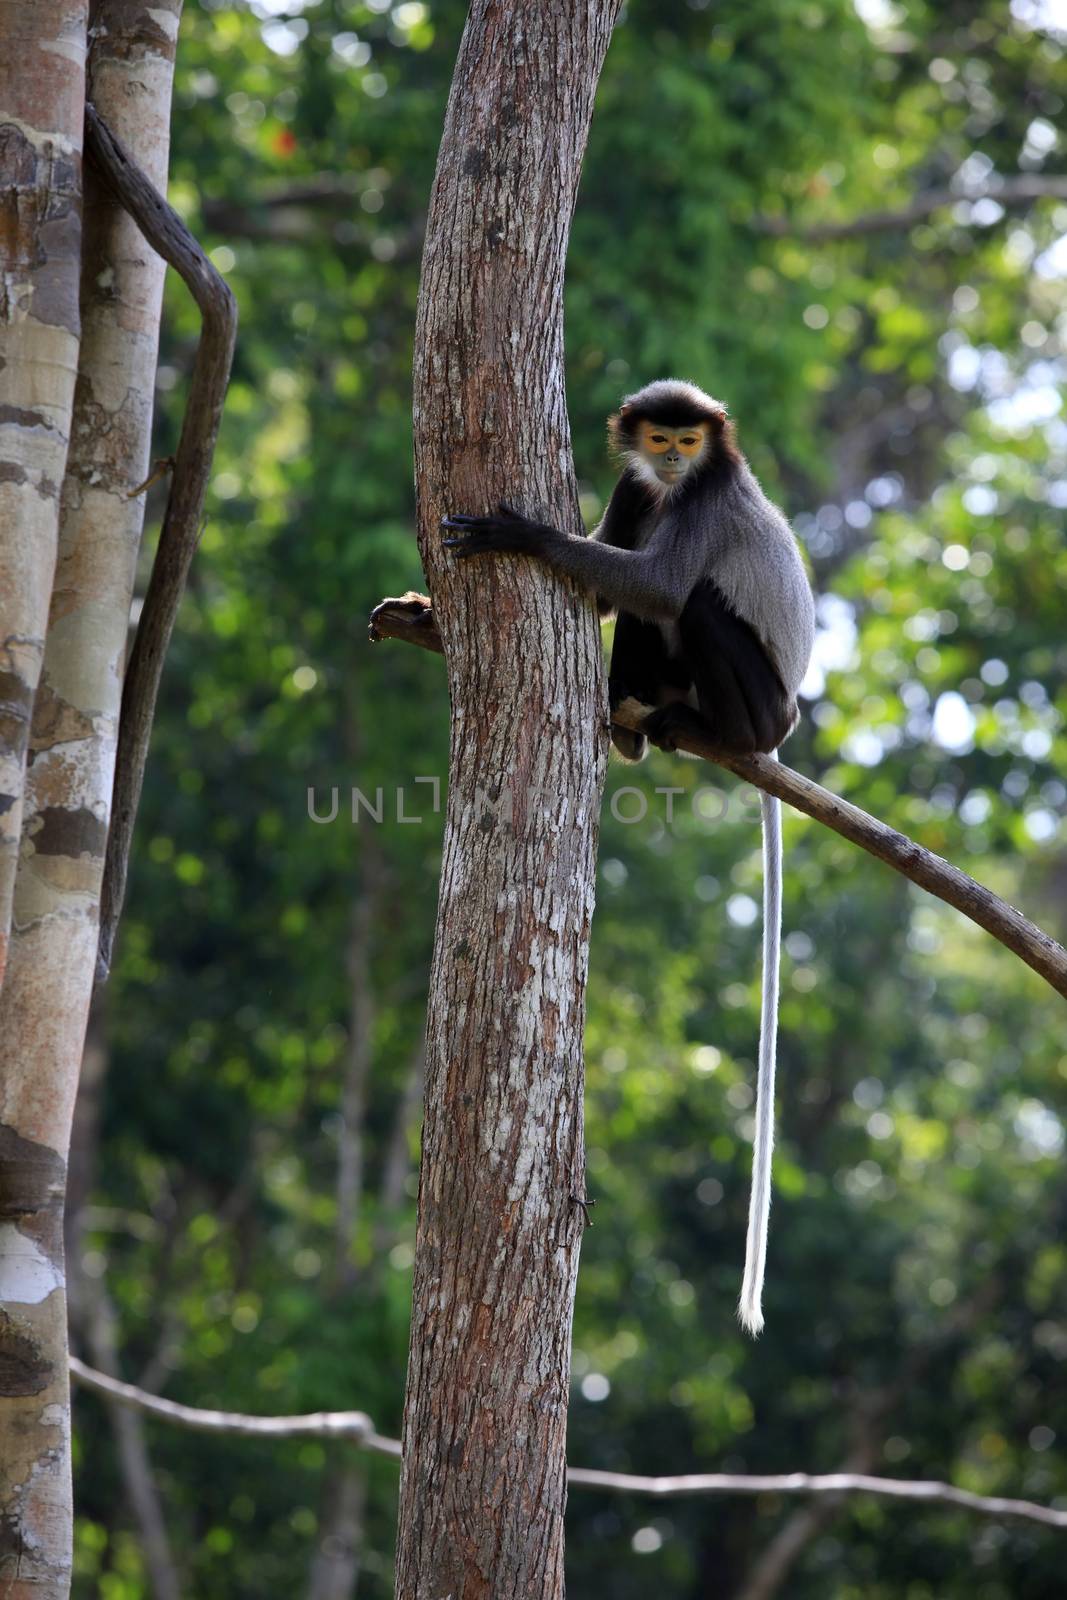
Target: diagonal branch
x: 1010, y: 193
x: 409, y: 618
x: 358, y: 1427
x: 180, y: 534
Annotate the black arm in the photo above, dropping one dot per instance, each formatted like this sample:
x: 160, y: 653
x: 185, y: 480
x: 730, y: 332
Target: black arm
x: 653, y: 582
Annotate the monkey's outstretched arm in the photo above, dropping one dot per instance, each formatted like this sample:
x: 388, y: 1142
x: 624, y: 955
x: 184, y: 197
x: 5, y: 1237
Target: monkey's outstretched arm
x: 653, y: 583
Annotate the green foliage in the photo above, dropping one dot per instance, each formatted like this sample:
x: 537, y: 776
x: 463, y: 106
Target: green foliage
x: 897, y: 390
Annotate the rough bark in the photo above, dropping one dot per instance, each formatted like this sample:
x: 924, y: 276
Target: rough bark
x: 45, y: 997
x: 42, y: 87
x: 483, y: 1485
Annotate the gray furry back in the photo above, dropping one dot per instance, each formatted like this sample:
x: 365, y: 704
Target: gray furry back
x: 755, y: 561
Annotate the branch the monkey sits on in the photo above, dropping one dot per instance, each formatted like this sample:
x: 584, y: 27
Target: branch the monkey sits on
x: 714, y: 630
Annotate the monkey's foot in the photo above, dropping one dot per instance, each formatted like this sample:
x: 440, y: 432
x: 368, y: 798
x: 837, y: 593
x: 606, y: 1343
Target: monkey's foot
x: 414, y: 610
x: 629, y: 742
x: 630, y: 745
x: 670, y: 723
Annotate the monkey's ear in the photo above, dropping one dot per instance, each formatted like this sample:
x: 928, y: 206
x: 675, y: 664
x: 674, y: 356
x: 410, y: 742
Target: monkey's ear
x: 719, y: 418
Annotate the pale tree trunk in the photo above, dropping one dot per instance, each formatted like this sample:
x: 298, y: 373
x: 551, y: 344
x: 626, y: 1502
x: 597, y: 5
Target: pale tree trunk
x: 45, y: 997
x: 42, y: 91
x: 483, y: 1484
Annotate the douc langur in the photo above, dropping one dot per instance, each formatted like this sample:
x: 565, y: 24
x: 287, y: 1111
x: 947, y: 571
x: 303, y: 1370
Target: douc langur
x: 714, y: 629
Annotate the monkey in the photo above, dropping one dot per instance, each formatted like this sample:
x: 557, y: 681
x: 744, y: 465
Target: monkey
x: 715, y: 624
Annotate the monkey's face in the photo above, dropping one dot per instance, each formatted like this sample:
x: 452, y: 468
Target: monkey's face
x: 671, y: 454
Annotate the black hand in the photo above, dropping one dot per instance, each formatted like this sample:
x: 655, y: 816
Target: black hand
x: 505, y: 531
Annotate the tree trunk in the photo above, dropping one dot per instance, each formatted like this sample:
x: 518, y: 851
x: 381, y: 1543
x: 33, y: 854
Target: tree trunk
x: 43, y: 52
x: 483, y: 1485
x: 42, y: 90
x: 45, y: 997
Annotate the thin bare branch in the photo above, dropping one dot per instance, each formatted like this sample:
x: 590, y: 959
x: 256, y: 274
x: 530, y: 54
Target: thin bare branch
x: 180, y: 534
x: 927, y: 1490
x: 1011, y: 193
x: 408, y: 617
x: 354, y: 1425
x: 358, y: 1427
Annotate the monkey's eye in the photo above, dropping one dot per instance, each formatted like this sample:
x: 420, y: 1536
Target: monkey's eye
x: 689, y: 442
x: 658, y: 438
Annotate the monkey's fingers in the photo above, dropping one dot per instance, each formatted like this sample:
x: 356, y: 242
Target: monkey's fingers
x: 471, y: 544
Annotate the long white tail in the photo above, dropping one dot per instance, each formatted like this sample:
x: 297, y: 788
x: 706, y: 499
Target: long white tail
x: 750, y: 1305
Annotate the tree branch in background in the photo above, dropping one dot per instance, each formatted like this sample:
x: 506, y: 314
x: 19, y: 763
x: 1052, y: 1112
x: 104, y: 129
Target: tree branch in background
x: 354, y: 1425
x: 1010, y: 193
x: 358, y: 1427
x: 180, y: 534
x: 319, y: 209
x: 409, y: 618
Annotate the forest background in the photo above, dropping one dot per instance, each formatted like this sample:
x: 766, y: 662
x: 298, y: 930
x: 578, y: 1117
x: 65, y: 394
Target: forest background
x: 752, y: 215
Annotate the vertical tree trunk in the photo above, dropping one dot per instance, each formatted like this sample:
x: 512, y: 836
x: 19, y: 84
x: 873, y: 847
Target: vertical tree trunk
x: 483, y: 1484
x: 45, y: 996
x: 42, y: 65
x: 42, y: 90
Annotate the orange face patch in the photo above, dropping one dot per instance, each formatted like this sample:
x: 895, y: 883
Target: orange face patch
x: 657, y: 441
